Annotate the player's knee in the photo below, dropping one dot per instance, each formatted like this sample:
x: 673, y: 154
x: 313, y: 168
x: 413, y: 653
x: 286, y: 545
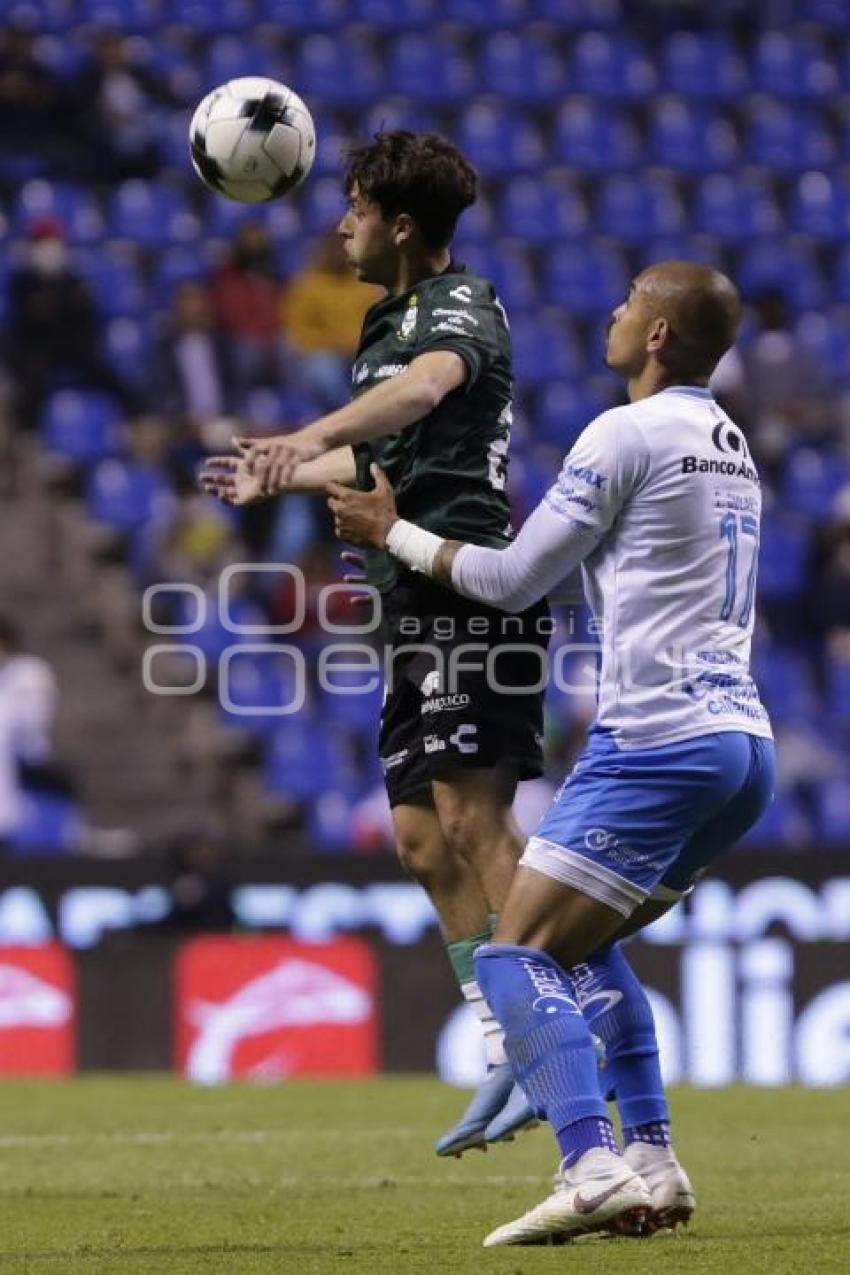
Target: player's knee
x: 474, y: 828
x: 427, y: 859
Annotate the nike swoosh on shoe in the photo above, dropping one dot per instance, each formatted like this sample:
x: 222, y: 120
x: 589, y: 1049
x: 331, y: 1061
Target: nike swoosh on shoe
x: 590, y: 1205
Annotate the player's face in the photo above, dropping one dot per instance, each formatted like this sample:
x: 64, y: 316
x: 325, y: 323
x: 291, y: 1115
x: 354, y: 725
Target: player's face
x: 625, y: 346
x: 367, y: 240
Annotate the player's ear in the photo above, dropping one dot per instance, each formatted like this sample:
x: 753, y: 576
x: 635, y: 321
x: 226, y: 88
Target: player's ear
x: 658, y: 335
x: 403, y: 229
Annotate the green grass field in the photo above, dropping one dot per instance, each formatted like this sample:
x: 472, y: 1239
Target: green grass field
x: 137, y: 1175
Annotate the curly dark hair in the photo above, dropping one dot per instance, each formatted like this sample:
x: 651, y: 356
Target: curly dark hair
x: 421, y: 174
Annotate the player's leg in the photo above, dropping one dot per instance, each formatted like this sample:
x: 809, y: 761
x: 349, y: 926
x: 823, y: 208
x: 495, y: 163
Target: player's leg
x: 474, y: 807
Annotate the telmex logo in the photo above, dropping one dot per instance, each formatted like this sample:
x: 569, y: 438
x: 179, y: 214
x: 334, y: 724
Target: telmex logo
x: 307, y: 1009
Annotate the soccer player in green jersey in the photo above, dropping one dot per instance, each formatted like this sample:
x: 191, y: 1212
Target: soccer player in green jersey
x: 432, y: 405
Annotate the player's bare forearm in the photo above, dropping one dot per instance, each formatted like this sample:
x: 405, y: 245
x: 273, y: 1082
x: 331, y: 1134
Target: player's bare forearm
x: 231, y: 481
x: 335, y: 466
x: 446, y: 554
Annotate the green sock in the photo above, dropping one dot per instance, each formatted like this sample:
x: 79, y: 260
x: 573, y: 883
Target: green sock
x: 462, y: 957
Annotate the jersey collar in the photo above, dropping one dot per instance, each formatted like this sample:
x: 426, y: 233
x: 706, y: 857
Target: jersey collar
x: 690, y: 391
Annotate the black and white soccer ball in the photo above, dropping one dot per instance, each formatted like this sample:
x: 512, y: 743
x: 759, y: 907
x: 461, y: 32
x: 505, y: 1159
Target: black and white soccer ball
x: 252, y: 139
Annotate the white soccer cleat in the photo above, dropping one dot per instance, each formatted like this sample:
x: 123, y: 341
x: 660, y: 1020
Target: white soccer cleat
x: 670, y: 1188
x: 600, y: 1192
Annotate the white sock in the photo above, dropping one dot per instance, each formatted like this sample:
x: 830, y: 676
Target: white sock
x: 494, y: 1037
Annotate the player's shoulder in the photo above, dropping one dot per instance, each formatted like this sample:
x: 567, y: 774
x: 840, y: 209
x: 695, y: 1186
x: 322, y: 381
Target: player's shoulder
x: 458, y: 287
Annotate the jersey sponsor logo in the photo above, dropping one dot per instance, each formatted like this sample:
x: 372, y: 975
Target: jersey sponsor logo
x: 411, y: 316
x: 572, y: 497
x: 431, y: 683
x: 730, y: 468
x: 552, y: 993
x: 433, y: 744
x: 462, y: 736
x: 586, y: 475
x: 394, y: 759
x: 446, y: 702
x: 448, y: 325
x: 460, y: 316
x: 360, y: 374
x: 462, y: 293
x: 390, y: 369
x: 728, y: 438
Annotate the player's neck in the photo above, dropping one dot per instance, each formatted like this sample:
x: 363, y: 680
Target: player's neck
x: 413, y: 269
x: 653, y: 379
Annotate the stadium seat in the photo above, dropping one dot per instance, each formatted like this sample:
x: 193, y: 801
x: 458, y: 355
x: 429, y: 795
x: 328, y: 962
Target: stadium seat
x: 348, y: 705
x: 259, y: 686
x: 838, y: 689
x: 783, y: 556
x: 338, y: 69
x: 833, y: 14
x: 212, y: 15
x: 564, y: 409
x: 128, y: 350
x: 736, y: 208
x: 497, y: 141
x: 392, y: 113
x: 820, y: 206
x: 396, y: 15
x: 72, y: 205
x: 322, y: 206
x: 787, y: 139
x: 544, y: 347
x: 540, y: 211
x: 303, y: 760
x: 50, y: 823
x: 592, y: 139
x: 151, y: 215
x: 114, y: 280
x: 632, y: 208
x: 231, y: 56
x: 788, y: 265
x: 827, y: 333
x: 80, y: 425
x: 510, y: 271
x: 782, y: 824
x: 833, y: 811
x: 704, y: 65
x: 477, y: 225
x: 785, y: 683
x: 429, y: 68
x: 123, y: 15
x: 174, y: 267
x: 296, y: 16
x: 611, y: 66
x: 690, y: 138
x: 485, y: 15
x: 790, y: 66
x: 586, y: 278
x: 812, y: 480
x: 522, y: 68
x: 124, y: 495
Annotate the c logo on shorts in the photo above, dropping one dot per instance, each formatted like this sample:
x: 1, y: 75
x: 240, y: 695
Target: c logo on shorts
x: 599, y: 839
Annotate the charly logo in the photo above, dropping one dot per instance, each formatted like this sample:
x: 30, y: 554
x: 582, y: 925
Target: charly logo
x: 463, y: 738
x: 408, y: 323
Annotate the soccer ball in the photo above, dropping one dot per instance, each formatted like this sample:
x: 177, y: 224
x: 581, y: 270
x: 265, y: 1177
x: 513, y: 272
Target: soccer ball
x: 252, y: 139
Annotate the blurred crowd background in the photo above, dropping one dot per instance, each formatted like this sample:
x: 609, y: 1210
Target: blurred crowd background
x: 145, y: 321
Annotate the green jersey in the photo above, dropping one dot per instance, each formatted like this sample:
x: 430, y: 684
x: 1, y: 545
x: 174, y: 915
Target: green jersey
x: 449, y: 469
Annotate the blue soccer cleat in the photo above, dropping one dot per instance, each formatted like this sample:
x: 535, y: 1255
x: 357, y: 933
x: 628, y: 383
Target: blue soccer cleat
x: 488, y: 1101
x: 516, y: 1114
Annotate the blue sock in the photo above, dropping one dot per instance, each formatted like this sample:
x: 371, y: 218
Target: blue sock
x: 656, y: 1132
x: 547, y: 1042
x: 617, y: 1010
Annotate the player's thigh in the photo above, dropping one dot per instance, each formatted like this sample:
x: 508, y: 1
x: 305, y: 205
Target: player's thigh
x: 420, y: 843
x: 474, y: 805
x: 726, y: 827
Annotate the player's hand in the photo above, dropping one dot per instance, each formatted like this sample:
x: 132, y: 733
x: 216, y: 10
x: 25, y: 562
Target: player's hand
x: 357, y: 577
x: 273, y: 461
x: 227, y: 478
x: 363, y: 517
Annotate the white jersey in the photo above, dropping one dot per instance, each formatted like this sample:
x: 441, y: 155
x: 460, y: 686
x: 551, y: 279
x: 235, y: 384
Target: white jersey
x: 669, y: 486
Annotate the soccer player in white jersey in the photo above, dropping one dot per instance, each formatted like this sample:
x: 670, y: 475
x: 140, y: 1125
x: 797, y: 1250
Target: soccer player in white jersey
x: 659, y: 503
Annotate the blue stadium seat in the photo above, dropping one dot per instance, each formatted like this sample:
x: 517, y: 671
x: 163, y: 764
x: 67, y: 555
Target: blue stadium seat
x: 258, y: 686
x: 507, y: 266
x: 521, y: 67
x: 540, y: 211
x: 485, y: 15
x: 611, y: 66
x: 586, y: 278
x: 632, y: 208
x: 705, y: 65
x: 785, y: 264
x: 304, y: 760
x: 590, y: 138
x: 213, y: 15
x: 564, y: 409
x: 791, y: 65
x: 544, y: 347
x: 736, y: 207
x: 114, y: 281
x: 296, y: 16
x: 827, y: 333
x: 128, y: 350
x: 783, y: 556
x: 833, y: 812
x: 498, y: 141
x: 690, y: 138
x: 322, y: 206
x: 832, y: 14
x: 580, y: 14
x: 430, y: 68
x: 73, y: 205
x: 338, y: 69
x: 703, y: 248
x: 80, y: 425
x: 231, y: 56
x: 151, y: 215
x: 175, y: 267
x: 125, y: 495
x: 782, y: 824
x: 812, y: 480
x: 477, y: 224
x: 398, y: 112
x: 51, y: 823
x: 123, y: 15
x: 785, y: 683
x: 820, y: 206
x: 350, y: 707
x: 787, y: 139
x: 838, y: 692
x: 396, y: 15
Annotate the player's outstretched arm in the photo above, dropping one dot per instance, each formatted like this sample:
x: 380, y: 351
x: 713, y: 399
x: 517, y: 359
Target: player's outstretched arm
x: 387, y: 408
x: 548, y: 548
x: 229, y: 479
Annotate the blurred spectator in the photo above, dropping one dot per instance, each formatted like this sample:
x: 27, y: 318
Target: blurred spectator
x: 829, y: 600
x: 775, y: 387
x: 246, y: 295
x: 120, y: 109
x: 27, y: 709
x: 53, y: 332
x: 200, y: 888
x: 322, y: 314
x: 31, y: 109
